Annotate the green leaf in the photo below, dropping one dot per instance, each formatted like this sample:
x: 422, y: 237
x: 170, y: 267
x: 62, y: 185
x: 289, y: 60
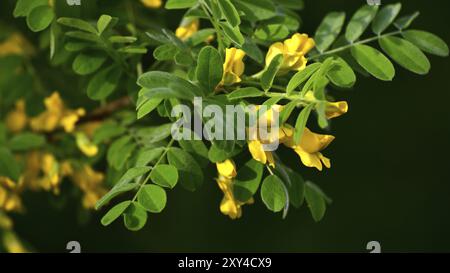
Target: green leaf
x: 272, y: 32
x: 122, y: 39
x: 132, y: 174
x: 165, y: 175
x: 427, y: 41
x: 103, y: 23
x: 385, y: 17
x: 118, y: 189
x: 40, y: 18
x: 233, y: 33
x: 190, y: 173
x: 108, y: 130
x: 24, y: 7
x: 246, y: 92
x: 287, y: 111
x: 252, y: 50
x: 271, y: 71
x: 180, y: 4
x: 201, y: 36
x: 85, y: 36
x: 256, y: 10
x: 26, y: 141
x: 135, y: 217
x: 153, y: 198
x: 301, y: 76
x: 149, y: 155
x: 406, y: 54
x: 77, y: 24
x: 341, y: 74
x: 165, y: 52
x: 406, y: 21
x: 374, y: 62
x: 300, y: 124
x: 197, y: 149
x: 87, y: 63
x: 209, y: 69
x: 158, y: 79
x: 8, y: 165
x: 133, y: 50
x: 359, y: 22
x: 247, y: 180
x: 147, y: 107
x: 328, y: 30
x: 104, y: 83
x: 296, y: 188
x: 316, y: 201
x: 119, y: 151
x: 153, y: 134
x: 114, y: 213
x: 230, y: 12
x: 273, y: 193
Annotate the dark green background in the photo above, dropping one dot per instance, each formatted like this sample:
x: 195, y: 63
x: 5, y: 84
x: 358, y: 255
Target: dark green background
x: 389, y: 181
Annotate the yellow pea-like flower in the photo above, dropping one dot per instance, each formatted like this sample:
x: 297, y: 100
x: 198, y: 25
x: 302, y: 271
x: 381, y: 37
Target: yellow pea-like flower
x: 153, y: 4
x: 187, y: 28
x: 310, y: 147
x: 332, y: 109
x: 13, y: 244
x: 293, y: 51
x: 56, y: 115
x: 90, y: 182
x: 16, y: 44
x: 9, y: 195
x: 85, y: 145
x: 229, y: 205
x: 17, y: 119
x: 233, y: 67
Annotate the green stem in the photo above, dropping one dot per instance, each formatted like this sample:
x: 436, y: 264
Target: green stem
x: 150, y: 173
x: 213, y: 20
x: 342, y: 48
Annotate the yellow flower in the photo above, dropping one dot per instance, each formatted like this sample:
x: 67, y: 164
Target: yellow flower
x: 42, y: 172
x: 13, y: 244
x: 16, y: 120
x: 85, y: 145
x: 234, y: 67
x: 257, y: 151
x: 187, y: 28
x: 9, y: 195
x: 332, y: 109
x: 293, y: 51
x: 91, y: 183
x: 56, y: 115
x: 153, y: 4
x: 229, y: 205
x: 309, y: 147
x: 16, y: 44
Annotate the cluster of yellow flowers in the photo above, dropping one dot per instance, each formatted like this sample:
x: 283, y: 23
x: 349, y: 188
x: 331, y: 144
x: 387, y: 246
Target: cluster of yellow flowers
x: 42, y: 170
x: 311, y: 144
x: 229, y: 205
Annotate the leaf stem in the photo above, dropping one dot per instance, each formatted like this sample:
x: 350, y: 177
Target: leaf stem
x: 150, y: 173
x: 342, y: 48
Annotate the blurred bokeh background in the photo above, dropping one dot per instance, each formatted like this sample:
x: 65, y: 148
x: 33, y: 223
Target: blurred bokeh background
x: 390, y: 178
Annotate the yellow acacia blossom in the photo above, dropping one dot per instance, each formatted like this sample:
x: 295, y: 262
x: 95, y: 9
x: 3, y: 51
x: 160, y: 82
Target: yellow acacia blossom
x: 332, y: 109
x: 9, y: 195
x: 229, y: 205
x: 233, y: 67
x: 16, y: 44
x: 153, y: 4
x: 56, y: 115
x: 42, y: 172
x: 89, y: 181
x: 85, y: 145
x: 310, y: 146
x: 293, y: 51
x: 16, y: 120
x: 13, y: 244
x: 187, y: 28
